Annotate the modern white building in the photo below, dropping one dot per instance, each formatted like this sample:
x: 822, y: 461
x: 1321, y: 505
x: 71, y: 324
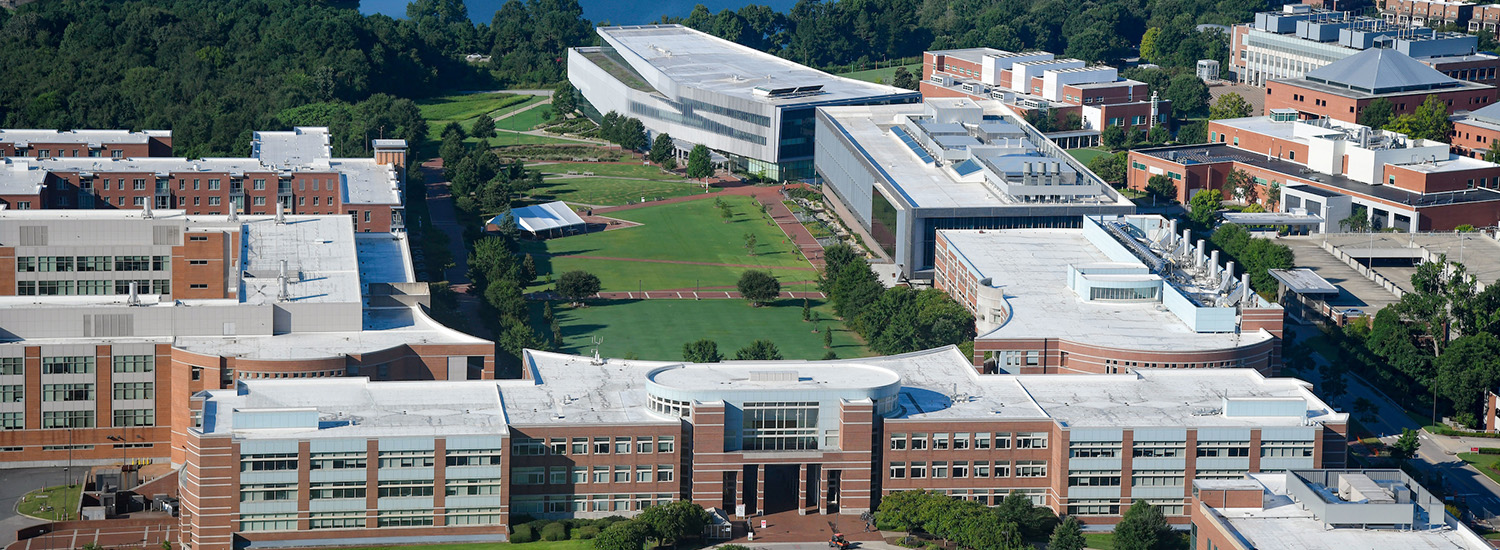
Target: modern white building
x: 900, y: 173
x: 754, y: 107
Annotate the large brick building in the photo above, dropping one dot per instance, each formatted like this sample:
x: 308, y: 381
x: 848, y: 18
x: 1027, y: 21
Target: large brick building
x: 1039, y: 81
x: 111, y: 319
x: 1329, y: 169
x: 1342, y: 89
x: 295, y: 169
x: 1117, y: 294
x: 343, y: 462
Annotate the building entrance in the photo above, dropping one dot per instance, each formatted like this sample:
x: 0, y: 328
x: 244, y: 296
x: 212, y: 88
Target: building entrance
x: 781, y: 492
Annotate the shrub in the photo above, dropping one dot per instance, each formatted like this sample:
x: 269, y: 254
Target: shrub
x: 586, y: 532
x: 734, y: 547
x: 555, y: 531
x: 522, y: 533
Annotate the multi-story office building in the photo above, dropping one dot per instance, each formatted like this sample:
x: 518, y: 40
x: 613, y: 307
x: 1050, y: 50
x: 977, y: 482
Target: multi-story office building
x: 339, y: 462
x: 1341, y: 90
x: 1117, y: 294
x: 1039, y: 81
x: 295, y: 169
x: 1427, y: 13
x: 1325, y: 510
x: 899, y: 173
x: 752, y: 106
x: 110, y: 319
x: 1474, y: 132
x: 1300, y: 38
x: 1322, y: 169
x: 85, y: 143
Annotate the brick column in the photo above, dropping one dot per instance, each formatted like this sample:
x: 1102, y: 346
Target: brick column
x: 372, y: 482
x: 760, y: 488
x: 439, y: 481
x: 801, y: 489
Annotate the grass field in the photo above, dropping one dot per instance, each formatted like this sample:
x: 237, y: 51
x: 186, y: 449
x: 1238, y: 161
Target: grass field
x: 883, y: 75
x: 657, y: 329
x: 1087, y: 155
x: 1484, y: 463
x: 525, y: 120
x: 610, y: 191
x: 687, y: 231
x: 52, y: 503
x: 1106, y: 541
x: 539, y: 545
x: 615, y: 170
x: 463, y: 109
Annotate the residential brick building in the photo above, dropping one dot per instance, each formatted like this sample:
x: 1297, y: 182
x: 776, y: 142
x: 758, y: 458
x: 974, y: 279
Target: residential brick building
x: 1342, y: 89
x: 339, y: 462
x: 85, y: 143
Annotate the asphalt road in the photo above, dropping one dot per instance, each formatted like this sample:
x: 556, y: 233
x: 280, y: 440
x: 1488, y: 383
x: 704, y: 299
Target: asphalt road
x: 13, y: 484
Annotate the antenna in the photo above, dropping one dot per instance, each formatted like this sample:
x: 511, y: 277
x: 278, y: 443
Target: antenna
x: 596, y: 341
x: 282, y: 295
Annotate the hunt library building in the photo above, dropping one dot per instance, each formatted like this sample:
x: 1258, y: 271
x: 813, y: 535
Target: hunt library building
x: 340, y: 461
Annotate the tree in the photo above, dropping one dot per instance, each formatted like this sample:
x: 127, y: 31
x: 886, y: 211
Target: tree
x: 1187, y: 93
x: 1148, y: 44
x: 564, y: 99
x: 1230, y: 105
x: 1041, y: 119
x: 1405, y: 446
x: 1377, y: 113
x: 1158, y: 134
x: 827, y: 338
x: 1468, y: 368
x: 904, y: 79
x: 1193, y: 132
x: 1162, y: 186
x: 483, y: 127
x: 750, y: 241
x: 759, y: 350
x: 577, y: 285
x: 1113, y: 137
x: 1141, y: 528
x: 759, y: 287
x: 1110, y: 168
x: 1068, y: 535
x: 699, y: 164
x: 669, y: 523
x: 662, y: 148
x: 454, y: 128
x: 701, y: 351
x: 1492, y: 154
x: 623, y: 535
x: 1240, y: 184
x: 1429, y: 121
x: 830, y: 355
x: 1204, y: 207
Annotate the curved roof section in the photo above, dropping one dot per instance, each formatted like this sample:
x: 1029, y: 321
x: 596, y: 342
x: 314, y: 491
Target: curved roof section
x: 772, y: 376
x: 1381, y: 71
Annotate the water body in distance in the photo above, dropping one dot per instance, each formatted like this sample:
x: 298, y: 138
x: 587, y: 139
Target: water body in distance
x: 597, y: 11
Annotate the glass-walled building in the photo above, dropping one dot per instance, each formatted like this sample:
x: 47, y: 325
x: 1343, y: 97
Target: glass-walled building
x: 756, y: 108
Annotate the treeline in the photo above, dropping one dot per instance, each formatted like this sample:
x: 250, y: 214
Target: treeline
x: 967, y: 523
x: 214, y: 71
x: 891, y: 320
x: 862, y: 32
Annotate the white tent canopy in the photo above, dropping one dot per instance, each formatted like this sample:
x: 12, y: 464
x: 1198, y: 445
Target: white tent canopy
x: 545, y: 218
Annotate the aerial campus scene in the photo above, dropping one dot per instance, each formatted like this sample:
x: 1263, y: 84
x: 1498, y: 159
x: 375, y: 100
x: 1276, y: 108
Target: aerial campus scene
x: 845, y: 274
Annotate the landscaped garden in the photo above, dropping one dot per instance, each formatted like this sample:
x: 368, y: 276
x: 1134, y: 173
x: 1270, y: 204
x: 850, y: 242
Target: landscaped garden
x: 52, y: 503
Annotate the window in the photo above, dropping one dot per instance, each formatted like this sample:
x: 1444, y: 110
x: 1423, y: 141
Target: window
x: 1002, y: 440
x: 918, y: 442
x: 557, y: 475
x: 258, y: 185
x: 642, y: 474
x: 960, y: 468
x: 268, y: 462
x: 1158, y: 449
x: 898, y: 470
x: 1093, y: 507
x: 1094, y: 449
x: 1156, y: 478
x: 405, y: 459
x: 601, y: 474
x: 12, y: 393
x: 138, y: 184
x: 940, y: 469
x: 1031, y: 468
x: 578, y: 475
x: 1223, y: 448
x: 268, y: 492
x: 26, y: 288
x: 622, y: 474
x: 54, y: 288
x: 25, y: 264
x: 601, y: 445
x: 580, y: 446
x: 643, y: 445
x: 336, y: 520
x: 918, y: 470
x: 622, y: 445
x: 93, y: 263
x: 1089, y: 478
x: 1031, y: 440
x: 12, y: 421
x: 1286, y: 449
x: 135, y: 417
x: 473, y: 516
x: 405, y: 488
x: 258, y: 201
x: 213, y: 201
x: 404, y: 518
x: 981, y: 469
x: 12, y: 365
x: 213, y: 184
x: 473, y: 457
x: 940, y: 442
x: 67, y: 419
x: 95, y: 288
x: 898, y: 442
x: 161, y: 263
x: 268, y: 522
x: 529, y: 476
x: 134, y: 390
x: 198, y: 286
x: 67, y: 392
x: 780, y: 426
x: 367, y: 216
x: 337, y: 461
x: 666, y: 444
x: 132, y: 263
x: 141, y: 286
x: 961, y: 441
x: 473, y: 486
x: 525, y: 446
x: 49, y: 264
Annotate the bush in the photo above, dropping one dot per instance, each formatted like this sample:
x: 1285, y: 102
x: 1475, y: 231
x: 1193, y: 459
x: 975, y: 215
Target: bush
x: 734, y: 547
x: 1489, y: 451
x: 555, y: 531
x: 522, y: 533
x: 586, y: 532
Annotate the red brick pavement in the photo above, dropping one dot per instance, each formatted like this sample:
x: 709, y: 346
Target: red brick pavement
x: 696, y: 295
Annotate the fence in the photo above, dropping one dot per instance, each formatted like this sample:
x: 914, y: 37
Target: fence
x: 1363, y: 270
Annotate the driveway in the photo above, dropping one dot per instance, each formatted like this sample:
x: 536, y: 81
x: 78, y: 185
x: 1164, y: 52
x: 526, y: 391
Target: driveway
x: 13, y: 484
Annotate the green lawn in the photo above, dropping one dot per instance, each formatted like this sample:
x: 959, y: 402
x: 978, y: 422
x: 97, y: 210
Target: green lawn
x: 1484, y: 463
x: 502, y: 139
x: 1087, y: 155
x: 883, y: 75
x: 657, y: 329
x: 539, y: 545
x: 614, y: 170
x: 687, y: 231
x: 610, y: 191
x: 464, y: 107
x: 52, y: 503
x: 525, y: 120
x: 1106, y: 541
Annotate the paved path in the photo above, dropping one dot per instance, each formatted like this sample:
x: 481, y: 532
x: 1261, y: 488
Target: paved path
x: 540, y: 133
x: 444, y: 217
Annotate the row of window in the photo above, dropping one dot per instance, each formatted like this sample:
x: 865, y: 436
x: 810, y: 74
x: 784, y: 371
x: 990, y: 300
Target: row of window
x: 961, y: 441
x: 524, y: 446
x: 386, y: 459
x: 95, y: 287
x: 579, y: 475
x: 942, y: 469
x: 77, y: 364
x: 561, y: 504
x: 79, y: 419
x: 47, y: 153
x: 356, y: 520
x: 82, y: 391
x: 51, y: 264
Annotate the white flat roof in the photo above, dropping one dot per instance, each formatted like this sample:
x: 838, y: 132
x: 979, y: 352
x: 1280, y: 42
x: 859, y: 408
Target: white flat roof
x: 698, y: 60
x: 1031, y: 266
x: 748, y: 375
x: 936, y: 384
x: 322, y: 261
x: 383, y: 329
x: 24, y: 136
x: 539, y: 218
x: 296, y: 147
x: 354, y: 407
x: 927, y: 185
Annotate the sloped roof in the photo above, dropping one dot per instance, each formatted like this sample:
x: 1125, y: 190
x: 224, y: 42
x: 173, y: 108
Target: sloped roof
x: 1489, y: 114
x: 1380, y: 71
x: 543, y: 217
